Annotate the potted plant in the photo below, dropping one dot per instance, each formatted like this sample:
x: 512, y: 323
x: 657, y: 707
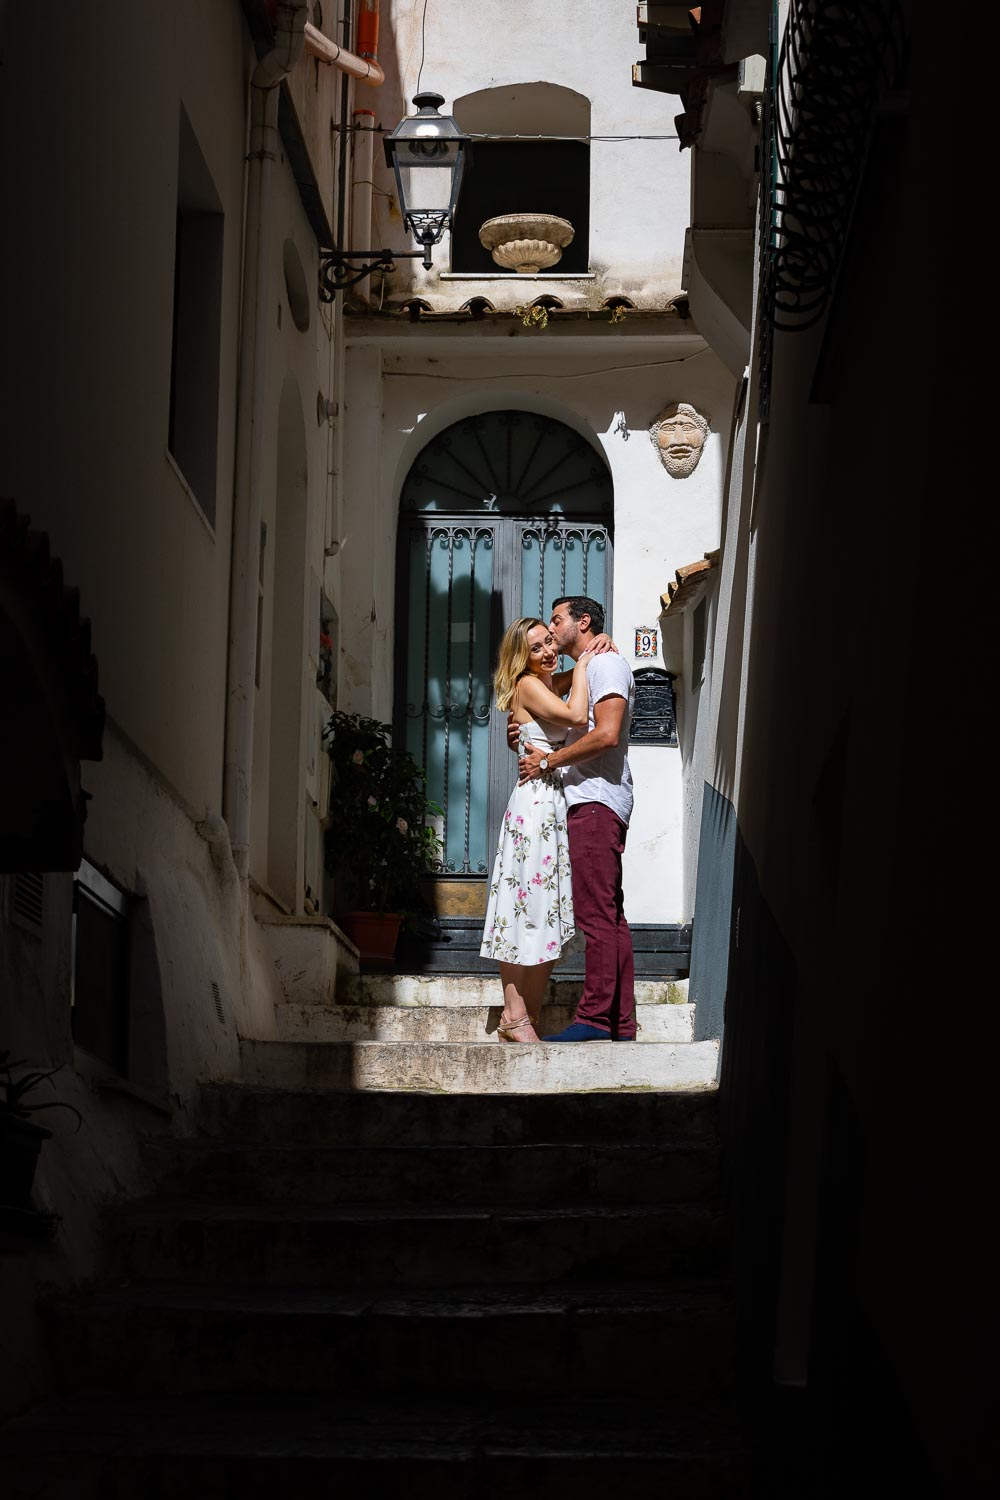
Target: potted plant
x: 379, y: 844
x: 21, y: 1139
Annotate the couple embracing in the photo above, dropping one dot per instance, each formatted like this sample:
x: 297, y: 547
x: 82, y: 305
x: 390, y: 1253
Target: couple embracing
x: 558, y: 869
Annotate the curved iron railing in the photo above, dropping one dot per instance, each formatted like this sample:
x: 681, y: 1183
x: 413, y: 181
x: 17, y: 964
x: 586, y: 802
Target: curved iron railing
x: 837, y: 62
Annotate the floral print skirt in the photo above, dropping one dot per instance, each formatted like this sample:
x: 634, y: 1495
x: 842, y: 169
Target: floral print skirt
x: 529, y: 919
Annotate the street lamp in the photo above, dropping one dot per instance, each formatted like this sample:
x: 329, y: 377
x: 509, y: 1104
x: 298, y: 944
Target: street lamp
x: 427, y: 153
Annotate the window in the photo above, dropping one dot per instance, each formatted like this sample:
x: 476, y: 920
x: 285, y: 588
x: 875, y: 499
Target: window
x: 547, y: 175
x: 100, y: 967
x: 194, y: 366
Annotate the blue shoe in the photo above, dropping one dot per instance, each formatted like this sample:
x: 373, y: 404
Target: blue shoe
x: 579, y: 1031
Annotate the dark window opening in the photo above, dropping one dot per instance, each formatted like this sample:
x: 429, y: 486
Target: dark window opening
x: 699, y: 642
x: 194, y: 366
x: 100, y: 968
x: 509, y: 177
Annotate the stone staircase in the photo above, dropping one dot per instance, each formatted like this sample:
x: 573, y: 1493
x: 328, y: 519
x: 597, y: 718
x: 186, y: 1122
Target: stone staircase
x: 401, y: 1254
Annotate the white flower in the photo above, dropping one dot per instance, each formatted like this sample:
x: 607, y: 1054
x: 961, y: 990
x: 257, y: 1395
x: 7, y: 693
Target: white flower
x: 402, y: 825
x: 358, y: 758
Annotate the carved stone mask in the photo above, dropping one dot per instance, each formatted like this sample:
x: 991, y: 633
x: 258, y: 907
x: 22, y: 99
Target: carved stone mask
x: 678, y: 434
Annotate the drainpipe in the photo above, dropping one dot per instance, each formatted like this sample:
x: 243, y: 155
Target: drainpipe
x: 252, y: 403
x: 366, y: 68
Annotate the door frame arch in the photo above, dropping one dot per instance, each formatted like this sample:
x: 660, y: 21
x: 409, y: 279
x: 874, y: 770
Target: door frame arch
x: 476, y: 403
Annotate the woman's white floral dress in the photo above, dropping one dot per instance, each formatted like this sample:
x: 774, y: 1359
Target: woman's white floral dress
x: 529, y: 919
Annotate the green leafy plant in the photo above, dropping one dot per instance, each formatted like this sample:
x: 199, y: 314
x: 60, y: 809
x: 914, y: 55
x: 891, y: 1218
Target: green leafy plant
x: 379, y: 844
x: 533, y: 317
x: 14, y: 1087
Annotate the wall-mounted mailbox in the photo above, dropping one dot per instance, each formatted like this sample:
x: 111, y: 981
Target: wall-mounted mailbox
x: 654, y: 721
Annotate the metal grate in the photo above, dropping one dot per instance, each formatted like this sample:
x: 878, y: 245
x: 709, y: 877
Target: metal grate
x: 820, y: 101
x: 217, y: 1002
x: 28, y: 903
x: 511, y: 463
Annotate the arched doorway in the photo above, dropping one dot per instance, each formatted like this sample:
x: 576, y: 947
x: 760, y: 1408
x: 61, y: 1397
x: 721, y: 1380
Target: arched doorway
x: 499, y: 514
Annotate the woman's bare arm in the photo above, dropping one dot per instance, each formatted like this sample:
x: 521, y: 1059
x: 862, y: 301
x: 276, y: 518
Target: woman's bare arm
x: 535, y: 698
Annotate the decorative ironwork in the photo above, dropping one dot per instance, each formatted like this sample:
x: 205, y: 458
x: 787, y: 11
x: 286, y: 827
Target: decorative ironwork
x: 447, y: 711
x: 511, y: 462
x: 336, y: 273
x: 836, y: 63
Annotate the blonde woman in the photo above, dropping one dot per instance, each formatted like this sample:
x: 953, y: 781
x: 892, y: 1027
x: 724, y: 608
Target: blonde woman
x: 529, y: 920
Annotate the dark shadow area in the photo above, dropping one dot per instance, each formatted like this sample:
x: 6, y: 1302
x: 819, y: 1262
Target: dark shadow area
x: 510, y: 177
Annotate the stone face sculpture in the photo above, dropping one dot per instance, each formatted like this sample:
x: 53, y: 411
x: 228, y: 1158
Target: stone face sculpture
x: 678, y: 434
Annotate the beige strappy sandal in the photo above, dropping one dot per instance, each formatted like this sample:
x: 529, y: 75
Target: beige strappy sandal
x: 505, y: 1026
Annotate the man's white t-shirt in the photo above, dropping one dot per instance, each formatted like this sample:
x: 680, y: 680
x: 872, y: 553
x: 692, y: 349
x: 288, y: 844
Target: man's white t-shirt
x: 606, y: 777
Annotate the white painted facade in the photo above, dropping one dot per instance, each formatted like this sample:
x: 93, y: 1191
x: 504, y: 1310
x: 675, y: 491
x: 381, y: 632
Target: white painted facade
x: 406, y: 381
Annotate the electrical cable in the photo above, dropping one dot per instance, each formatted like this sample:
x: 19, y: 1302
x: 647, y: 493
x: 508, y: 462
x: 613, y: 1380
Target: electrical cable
x: 499, y: 377
x: 480, y: 135
x: 423, y: 44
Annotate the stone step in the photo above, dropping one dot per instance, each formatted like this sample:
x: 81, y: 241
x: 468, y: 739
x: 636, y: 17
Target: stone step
x: 347, y: 1246
x: 446, y: 1345
x: 481, y: 1068
x: 311, y: 1117
x: 452, y: 1023
x: 663, y: 1172
x: 483, y: 990
x: 272, y: 1447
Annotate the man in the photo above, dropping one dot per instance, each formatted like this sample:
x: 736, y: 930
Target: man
x: 598, y: 786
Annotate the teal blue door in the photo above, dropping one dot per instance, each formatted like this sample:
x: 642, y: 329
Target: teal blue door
x: 500, y: 514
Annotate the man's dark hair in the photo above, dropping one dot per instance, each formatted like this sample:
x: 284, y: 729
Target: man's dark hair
x: 579, y: 605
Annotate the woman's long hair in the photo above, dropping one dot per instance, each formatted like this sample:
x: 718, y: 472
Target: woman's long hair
x: 512, y: 663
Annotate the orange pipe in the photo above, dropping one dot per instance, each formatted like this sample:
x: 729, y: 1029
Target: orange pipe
x: 365, y: 69
x: 368, y: 28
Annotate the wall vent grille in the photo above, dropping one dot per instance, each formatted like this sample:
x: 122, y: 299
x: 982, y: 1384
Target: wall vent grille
x: 28, y: 904
x: 217, y: 1002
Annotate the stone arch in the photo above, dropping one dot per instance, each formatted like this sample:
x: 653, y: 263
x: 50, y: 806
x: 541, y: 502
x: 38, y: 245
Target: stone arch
x: 524, y: 109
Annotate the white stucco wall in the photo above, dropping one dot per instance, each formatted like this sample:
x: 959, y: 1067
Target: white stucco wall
x: 403, y: 390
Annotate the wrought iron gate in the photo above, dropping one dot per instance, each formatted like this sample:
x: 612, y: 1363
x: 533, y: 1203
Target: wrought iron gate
x: 461, y: 579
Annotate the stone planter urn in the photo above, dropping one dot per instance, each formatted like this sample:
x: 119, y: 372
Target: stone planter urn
x: 526, y: 243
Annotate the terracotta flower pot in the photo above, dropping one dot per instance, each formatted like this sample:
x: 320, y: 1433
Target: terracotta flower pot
x: 374, y: 932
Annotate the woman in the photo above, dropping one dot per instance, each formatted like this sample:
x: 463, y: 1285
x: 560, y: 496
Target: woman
x: 529, y: 920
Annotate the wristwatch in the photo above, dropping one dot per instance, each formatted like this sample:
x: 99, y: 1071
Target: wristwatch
x: 543, y: 764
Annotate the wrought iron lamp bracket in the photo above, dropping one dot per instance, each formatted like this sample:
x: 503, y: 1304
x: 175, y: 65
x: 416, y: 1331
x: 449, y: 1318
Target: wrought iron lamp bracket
x: 336, y: 273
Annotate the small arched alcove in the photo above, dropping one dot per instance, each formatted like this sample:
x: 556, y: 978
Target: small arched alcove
x: 530, y: 154
x: 500, y: 513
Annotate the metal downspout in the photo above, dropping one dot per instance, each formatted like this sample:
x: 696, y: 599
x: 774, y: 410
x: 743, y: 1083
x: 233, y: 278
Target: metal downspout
x: 366, y: 68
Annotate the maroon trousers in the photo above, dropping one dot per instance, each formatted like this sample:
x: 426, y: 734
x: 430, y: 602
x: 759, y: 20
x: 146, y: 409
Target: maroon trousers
x: 596, y: 845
